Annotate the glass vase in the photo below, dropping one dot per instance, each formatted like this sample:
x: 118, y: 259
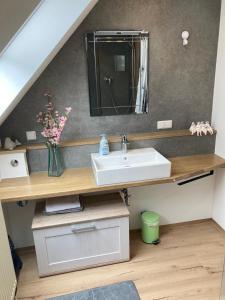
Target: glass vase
x: 55, y: 163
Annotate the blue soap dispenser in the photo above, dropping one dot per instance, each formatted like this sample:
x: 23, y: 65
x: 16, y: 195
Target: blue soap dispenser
x: 104, y: 145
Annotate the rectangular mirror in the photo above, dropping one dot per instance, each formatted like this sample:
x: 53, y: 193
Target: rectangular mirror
x: 117, y: 72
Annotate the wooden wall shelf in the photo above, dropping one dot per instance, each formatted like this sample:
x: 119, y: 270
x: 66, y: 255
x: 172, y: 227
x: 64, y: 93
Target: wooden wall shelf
x: 81, y: 180
x: 116, y: 138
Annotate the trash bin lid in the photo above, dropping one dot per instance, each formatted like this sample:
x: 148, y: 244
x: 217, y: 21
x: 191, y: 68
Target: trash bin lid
x: 150, y: 217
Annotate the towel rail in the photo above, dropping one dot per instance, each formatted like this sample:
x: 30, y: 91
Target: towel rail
x: 210, y: 173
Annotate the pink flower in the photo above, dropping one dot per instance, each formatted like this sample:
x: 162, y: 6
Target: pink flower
x: 53, y: 121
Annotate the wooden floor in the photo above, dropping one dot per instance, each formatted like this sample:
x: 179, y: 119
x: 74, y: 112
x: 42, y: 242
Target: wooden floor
x: 187, y: 264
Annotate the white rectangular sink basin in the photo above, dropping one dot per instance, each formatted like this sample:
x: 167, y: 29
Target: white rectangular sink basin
x: 135, y: 165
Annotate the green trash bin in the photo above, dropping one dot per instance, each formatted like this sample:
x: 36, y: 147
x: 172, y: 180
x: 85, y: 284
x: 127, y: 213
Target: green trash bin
x: 150, y: 227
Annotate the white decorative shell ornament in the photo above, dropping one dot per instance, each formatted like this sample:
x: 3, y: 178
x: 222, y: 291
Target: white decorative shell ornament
x: 209, y: 128
x: 193, y: 128
x: 201, y: 128
x: 17, y: 143
x: 9, y: 144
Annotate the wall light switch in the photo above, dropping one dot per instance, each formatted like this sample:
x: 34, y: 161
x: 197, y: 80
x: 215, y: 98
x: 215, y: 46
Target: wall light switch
x: 31, y: 135
x: 164, y: 124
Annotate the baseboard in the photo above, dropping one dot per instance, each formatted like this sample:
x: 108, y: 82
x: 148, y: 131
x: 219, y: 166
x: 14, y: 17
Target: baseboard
x: 187, y: 222
x: 218, y: 226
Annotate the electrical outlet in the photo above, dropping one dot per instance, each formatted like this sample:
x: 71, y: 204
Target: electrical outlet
x: 31, y: 135
x: 164, y: 124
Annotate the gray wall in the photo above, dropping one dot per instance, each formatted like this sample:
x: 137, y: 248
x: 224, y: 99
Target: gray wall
x: 79, y: 156
x: 181, y: 79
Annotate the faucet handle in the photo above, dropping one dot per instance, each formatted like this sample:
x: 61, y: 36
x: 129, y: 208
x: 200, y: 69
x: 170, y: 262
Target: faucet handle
x: 124, y: 138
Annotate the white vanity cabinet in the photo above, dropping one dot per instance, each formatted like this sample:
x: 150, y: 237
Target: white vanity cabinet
x: 99, y: 235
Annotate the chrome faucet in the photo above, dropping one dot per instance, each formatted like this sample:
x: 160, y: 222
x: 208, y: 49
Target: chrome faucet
x: 124, y: 143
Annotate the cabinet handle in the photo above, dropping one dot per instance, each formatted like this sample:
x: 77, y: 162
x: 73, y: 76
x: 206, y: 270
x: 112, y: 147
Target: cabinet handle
x: 84, y: 229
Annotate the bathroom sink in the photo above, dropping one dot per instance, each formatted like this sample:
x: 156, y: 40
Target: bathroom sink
x: 135, y: 165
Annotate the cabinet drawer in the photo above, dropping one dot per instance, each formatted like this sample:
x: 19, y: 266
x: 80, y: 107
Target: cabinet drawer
x: 82, y: 245
x: 13, y: 165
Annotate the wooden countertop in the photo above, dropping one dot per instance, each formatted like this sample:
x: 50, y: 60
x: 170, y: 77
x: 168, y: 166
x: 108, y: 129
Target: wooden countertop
x: 81, y: 180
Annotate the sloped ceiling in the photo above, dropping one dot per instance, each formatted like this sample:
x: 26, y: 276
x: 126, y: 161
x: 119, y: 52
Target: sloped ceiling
x: 13, y: 14
x: 35, y: 45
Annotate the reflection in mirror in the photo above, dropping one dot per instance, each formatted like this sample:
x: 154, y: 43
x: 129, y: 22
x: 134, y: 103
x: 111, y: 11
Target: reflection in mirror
x: 117, y: 72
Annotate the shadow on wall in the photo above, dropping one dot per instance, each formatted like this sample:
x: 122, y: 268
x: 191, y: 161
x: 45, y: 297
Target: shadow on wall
x: 174, y: 203
x: 18, y: 222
